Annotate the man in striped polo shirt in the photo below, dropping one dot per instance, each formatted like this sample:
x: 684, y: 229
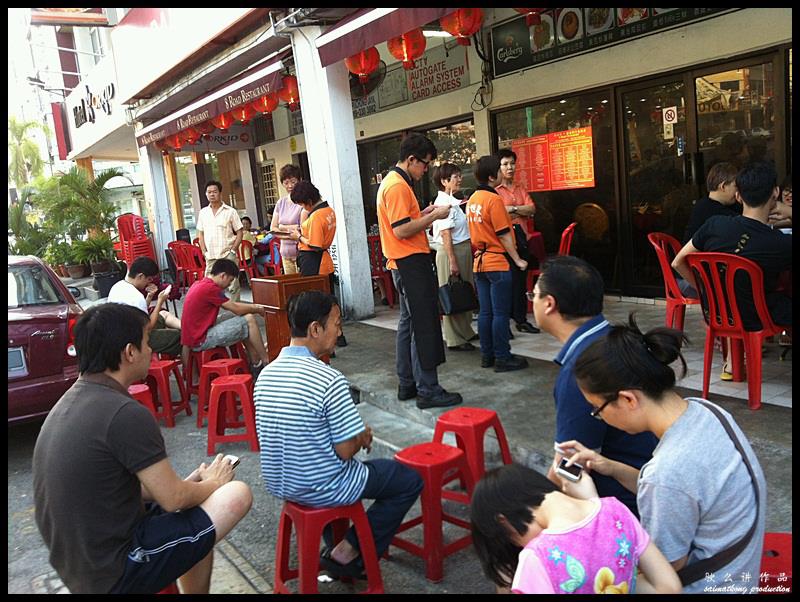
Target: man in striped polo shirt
x: 309, y: 431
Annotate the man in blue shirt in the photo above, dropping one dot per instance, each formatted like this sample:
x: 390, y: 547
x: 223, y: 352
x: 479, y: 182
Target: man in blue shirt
x: 568, y: 303
x: 309, y: 431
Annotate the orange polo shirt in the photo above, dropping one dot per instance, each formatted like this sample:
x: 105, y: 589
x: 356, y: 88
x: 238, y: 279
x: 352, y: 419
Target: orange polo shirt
x: 318, y: 230
x: 517, y: 196
x: 487, y: 218
x: 397, y: 205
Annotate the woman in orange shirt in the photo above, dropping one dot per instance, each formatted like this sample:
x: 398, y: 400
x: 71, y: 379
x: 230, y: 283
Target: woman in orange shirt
x: 491, y: 233
x: 317, y: 231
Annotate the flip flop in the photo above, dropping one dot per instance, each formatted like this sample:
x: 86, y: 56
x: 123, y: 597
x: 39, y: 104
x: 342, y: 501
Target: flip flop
x: 352, y: 569
x: 725, y: 375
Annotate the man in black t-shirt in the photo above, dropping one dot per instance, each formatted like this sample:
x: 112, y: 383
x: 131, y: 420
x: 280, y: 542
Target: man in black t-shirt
x: 749, y: 236
x: 721, y: 198
x: 100, y: 457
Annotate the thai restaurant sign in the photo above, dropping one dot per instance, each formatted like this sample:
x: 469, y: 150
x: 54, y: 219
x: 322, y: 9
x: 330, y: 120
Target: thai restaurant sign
x: 555, y: 161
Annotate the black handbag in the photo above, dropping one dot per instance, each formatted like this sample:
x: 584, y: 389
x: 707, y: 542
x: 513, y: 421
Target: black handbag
x: 521, y: 243
x: 457, y: 296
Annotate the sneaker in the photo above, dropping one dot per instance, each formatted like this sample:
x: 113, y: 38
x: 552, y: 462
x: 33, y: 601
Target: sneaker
x: 404, y: 393
x: 462, y: 347
x: 255, y: 369
x: 440, y: 400
x: 487, y: 361
x: 515, y: 362
x: 527, y: 327
x: 341, y: 341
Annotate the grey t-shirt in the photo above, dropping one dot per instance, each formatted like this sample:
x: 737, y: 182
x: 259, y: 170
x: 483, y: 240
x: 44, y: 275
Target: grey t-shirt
x: 696, y: 497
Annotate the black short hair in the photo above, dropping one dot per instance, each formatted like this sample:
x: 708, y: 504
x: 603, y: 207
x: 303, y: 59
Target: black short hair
x: 214, y: 183
x: 247, y: 218
x: 307, y: 307
x: 289, y: 171
x: 513, y: 492
x: 143, y: 265
x: 486, y: 167
x: 225, y: 265
x: 755, y: 183
x: 445, y: 171
x: 102, y: 333
x: 305, y: 192
x: 506, y: 152
x: 416, y: 145
x: 575, y: 284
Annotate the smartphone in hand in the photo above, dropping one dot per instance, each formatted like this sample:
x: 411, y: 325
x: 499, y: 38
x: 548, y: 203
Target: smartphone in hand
x: 571, y: 473
x: 234, y: 460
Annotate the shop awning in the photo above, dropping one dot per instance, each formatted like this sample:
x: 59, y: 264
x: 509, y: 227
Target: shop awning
x: 260, y: 80
x: 371, y: 26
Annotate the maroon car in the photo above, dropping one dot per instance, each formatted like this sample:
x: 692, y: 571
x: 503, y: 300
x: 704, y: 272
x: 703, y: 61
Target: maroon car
x: 41, y: 351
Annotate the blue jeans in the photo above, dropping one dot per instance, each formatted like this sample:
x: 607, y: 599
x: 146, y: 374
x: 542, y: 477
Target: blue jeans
x: 395, y: 488
x: 494, y: 295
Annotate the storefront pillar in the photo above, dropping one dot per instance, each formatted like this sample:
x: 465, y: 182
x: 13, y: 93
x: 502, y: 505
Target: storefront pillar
x: 154, y: 180
x: 175, y: 205
x: 333, y: 162
x: 86, y: 165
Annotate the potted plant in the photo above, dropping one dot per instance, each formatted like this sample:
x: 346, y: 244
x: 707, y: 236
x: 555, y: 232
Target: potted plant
x: 97, y: 251
x: 58, y: 254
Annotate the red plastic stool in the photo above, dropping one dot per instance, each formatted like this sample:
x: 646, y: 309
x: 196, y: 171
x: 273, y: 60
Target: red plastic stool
x: 436, y: 463
x: 239, y: 350
x: 470, y: 426
x: 309, y: 524
x: 197, y: 359
x: 776, y: 562
x: 160, y: 371
x: 172, y: 588
x: 223, y: 390
x: 214, y: 368
x: 141, y: 393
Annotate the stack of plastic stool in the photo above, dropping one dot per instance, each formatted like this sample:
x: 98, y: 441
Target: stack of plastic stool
x: 159, y: 371
x: 210, y: 370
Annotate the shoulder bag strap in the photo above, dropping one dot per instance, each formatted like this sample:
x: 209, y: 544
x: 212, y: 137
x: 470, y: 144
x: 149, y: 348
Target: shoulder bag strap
x: 694, y: 572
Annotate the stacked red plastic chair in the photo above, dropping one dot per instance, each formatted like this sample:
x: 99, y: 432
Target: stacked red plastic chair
x: 133, y: 238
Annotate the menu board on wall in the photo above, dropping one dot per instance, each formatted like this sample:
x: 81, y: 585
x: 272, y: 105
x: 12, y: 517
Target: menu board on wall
x: 556, y: 161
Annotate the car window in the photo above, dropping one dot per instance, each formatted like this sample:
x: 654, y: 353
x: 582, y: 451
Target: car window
x: 31, y: 285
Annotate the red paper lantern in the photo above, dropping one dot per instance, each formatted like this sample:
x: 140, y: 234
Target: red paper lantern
x: 243, y: 114
x: 190, y: 135
x: 289, y: 92
x: 363, y: 63
x: 462, y: 24
x: 531, y: 15
x: 223, y: 121
x: 408, y: 47
x: 205, y: 128
x: 174, y: 141
x: 265, y: 104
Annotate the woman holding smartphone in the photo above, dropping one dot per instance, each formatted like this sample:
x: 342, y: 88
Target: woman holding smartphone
x: 702, y: 492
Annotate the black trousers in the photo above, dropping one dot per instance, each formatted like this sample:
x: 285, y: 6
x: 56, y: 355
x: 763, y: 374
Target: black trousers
x: 519, y: 302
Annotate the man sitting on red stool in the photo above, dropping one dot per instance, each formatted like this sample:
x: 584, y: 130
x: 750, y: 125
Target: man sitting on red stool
x: 309, y: 430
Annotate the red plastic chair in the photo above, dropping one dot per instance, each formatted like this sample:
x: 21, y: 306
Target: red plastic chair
x: 377, y: 269
x: 776, y: 563
x: 142, y: 393
x: 666, y: 248
x: 248, y: 266
x: 275, y: 265
x: 188, y: 260
x: 309, y: 524
x: 715, y: 274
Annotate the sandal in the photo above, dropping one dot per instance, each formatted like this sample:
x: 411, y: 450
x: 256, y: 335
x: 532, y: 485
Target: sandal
x: 725, y: 375
x: 352, y: 569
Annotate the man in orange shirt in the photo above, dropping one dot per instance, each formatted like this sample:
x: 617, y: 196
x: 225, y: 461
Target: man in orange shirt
x: 490, y: 232
x: 521, y: 209
x: 420, y: 348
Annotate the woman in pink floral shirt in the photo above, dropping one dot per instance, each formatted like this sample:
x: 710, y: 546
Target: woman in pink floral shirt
x: 536, y: 540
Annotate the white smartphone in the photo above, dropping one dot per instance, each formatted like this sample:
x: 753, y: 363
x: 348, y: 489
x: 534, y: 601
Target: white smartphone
x: 168, y: 290
x: 571, y: 473
x: 234, y: 460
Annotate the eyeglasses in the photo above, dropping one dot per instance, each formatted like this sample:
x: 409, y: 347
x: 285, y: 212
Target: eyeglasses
x: 423, y: 161
x: 531, y: 295
x: 787, y: 192
x: 596, y: 412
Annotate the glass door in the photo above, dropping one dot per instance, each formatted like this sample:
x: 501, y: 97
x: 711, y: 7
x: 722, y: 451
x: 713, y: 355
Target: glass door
x: 659, y: 181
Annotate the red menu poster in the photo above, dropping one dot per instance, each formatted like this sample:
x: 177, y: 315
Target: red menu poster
x: 557, y: 161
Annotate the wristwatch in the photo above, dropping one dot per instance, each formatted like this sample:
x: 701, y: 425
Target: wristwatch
x: 513, y: 209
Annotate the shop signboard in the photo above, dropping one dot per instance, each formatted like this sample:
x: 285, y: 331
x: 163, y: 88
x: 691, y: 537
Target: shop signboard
x: 436, y: 72
x: 564, y: 32
x: 238, y: 137
x: 556, y: 161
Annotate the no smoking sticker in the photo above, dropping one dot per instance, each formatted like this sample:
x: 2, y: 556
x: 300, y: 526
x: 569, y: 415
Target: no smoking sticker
x: 670, y: 115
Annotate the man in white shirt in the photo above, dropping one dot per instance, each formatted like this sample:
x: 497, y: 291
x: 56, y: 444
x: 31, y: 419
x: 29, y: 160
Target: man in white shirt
x: 219, y: 231
x: 165, y: 329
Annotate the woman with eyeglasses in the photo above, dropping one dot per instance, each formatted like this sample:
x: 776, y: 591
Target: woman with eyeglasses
x: 781, y: 216
x: 700, y: 495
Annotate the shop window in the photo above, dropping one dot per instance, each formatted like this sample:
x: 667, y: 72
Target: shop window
x: 269, y: 185
x: 265, y: 129
x: 97, y: 44
x: 593, y: 207
x: 295, y: 123
x: 454, y: 144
